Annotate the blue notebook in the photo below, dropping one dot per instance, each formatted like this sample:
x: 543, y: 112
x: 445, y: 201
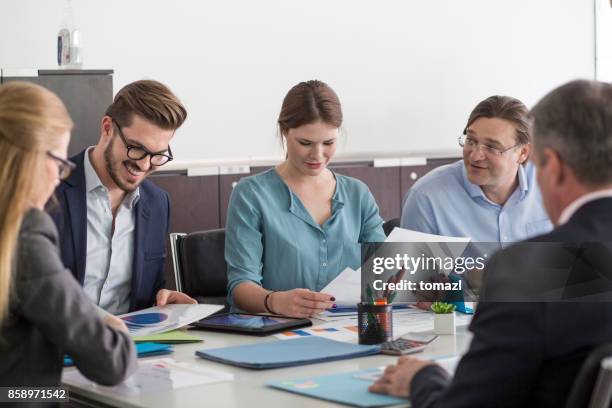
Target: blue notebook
x: 275, y: 354
x: 143, y: 350
x: 345, y: 388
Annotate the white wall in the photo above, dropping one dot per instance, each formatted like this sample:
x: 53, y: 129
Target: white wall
x: 407, y: 71
x: 604, y: 40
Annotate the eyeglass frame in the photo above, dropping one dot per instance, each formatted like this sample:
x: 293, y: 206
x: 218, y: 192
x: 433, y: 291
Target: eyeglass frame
x: 146, y: 151
x: 65, y: 167
x: 492, y: 150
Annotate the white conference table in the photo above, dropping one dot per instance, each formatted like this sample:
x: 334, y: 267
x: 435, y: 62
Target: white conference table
x: 248, y: 387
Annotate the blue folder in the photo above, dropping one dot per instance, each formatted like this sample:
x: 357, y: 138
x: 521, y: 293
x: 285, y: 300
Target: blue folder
x: 345, y: 388
x: 143, y: 350
x: 287, y: 353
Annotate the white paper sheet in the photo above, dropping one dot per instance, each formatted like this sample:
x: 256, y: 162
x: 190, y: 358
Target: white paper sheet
x: 162, y: 319
x: 340, y: 330
x: 423, y: 321
x: 156, y: 375
x: 435, y: 246
x: 346, y: 288
x: 405, y: 235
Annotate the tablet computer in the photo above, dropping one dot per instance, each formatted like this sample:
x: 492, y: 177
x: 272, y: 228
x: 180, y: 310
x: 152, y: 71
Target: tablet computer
x: 250, y: 323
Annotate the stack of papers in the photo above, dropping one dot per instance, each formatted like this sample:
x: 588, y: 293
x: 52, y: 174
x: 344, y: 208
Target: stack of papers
x: 344, y: 330
x: 158, y: 375
x: 165, y: 318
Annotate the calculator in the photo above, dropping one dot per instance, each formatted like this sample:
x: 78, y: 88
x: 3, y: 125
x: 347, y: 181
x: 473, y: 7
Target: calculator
x: 406, y: 345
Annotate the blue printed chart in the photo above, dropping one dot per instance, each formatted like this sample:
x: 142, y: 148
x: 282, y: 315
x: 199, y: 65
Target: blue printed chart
x: 345, y: 330
x: 139, y: 321
x: 157, y: 319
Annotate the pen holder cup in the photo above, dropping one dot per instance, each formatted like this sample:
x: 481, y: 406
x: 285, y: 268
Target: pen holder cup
x: 374, y: 323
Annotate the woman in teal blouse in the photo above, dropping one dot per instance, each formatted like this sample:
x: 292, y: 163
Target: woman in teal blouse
x: 292, y: 229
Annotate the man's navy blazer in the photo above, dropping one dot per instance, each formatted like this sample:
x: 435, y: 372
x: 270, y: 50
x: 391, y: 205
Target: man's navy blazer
x: 151, y: 228
x: 529, y: 354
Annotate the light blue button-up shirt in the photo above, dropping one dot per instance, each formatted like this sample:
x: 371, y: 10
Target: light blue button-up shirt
x: 110, y: 254
x: 445, y: 202
x: 272, y: 240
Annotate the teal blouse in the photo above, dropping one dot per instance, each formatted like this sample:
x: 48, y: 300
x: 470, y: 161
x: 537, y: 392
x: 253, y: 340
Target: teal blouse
x: 272, y: 241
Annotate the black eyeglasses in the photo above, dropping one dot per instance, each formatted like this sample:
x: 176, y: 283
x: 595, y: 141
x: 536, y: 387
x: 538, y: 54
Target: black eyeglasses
x: 139, y: 152
x: 65, y: 167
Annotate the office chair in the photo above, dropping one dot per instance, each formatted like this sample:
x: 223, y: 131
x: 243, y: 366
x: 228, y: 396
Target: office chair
x: 199, y: 265
x: 593, y: 385
x: 390, y: 224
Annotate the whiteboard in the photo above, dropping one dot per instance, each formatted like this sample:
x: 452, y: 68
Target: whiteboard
x: 407, y: 72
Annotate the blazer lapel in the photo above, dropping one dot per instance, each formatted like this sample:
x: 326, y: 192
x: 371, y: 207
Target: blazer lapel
x: 77, y: 210
x: 142, y: 222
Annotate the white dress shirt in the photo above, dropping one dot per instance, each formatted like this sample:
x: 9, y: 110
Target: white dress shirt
x: 110, y: 255
x: 567, y: 213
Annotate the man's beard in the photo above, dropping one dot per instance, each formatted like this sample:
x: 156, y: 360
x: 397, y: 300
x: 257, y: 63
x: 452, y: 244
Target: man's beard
x: 113, y: 169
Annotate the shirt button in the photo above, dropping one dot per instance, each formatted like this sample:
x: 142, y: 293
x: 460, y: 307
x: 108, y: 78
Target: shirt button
x: 324, y: 264
x: 324, y: 240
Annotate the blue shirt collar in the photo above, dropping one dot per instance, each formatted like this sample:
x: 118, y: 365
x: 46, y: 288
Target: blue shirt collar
x: 297, y: 208
x: 523, y: 181
x: 475, y: 191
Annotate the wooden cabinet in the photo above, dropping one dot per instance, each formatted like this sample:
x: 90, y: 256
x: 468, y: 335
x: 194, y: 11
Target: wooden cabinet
x: 384, y: 183
x: 194, y: 205
x: 410, y: 174
x: 194, y: 201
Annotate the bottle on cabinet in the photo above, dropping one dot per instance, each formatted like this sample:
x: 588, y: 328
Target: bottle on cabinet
x: 69, y: 46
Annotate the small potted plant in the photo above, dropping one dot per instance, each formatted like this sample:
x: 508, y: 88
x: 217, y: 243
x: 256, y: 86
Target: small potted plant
x: 444, y: 318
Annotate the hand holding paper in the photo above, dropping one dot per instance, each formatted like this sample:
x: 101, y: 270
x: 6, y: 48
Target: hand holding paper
x: 346, y: 288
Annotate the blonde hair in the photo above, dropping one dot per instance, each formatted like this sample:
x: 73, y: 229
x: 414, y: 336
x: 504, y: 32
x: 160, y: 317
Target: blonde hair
x: 32, y: 121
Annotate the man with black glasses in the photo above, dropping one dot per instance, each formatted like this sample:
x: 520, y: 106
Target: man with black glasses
x: 113, y: 223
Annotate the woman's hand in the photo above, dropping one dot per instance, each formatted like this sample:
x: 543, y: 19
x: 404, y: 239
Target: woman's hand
x: 299, y: 302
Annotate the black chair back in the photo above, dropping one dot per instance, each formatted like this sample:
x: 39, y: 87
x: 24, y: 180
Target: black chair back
x: 582, y: 390
x: 202, y: 269
x: 390, y: 224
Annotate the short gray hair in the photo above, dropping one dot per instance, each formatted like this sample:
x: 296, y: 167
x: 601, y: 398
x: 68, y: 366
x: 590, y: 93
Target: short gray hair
x: 575, y: 120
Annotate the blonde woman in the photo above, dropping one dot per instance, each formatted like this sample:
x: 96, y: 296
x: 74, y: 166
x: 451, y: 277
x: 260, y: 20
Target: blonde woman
x: 43, y: 310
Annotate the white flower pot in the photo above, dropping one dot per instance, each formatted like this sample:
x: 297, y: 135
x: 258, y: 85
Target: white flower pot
x: 444, y: 323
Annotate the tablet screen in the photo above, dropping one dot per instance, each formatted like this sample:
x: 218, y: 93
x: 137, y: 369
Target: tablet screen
x: 247, y: 321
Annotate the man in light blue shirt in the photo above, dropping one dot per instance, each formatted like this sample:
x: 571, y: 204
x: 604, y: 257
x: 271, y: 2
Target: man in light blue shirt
x: 489, y: 196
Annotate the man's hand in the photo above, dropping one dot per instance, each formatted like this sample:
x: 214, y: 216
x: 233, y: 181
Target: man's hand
x: 115, y: 322
x: 429, y: 296
x: 397, y: 378
x: 166, y: 297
